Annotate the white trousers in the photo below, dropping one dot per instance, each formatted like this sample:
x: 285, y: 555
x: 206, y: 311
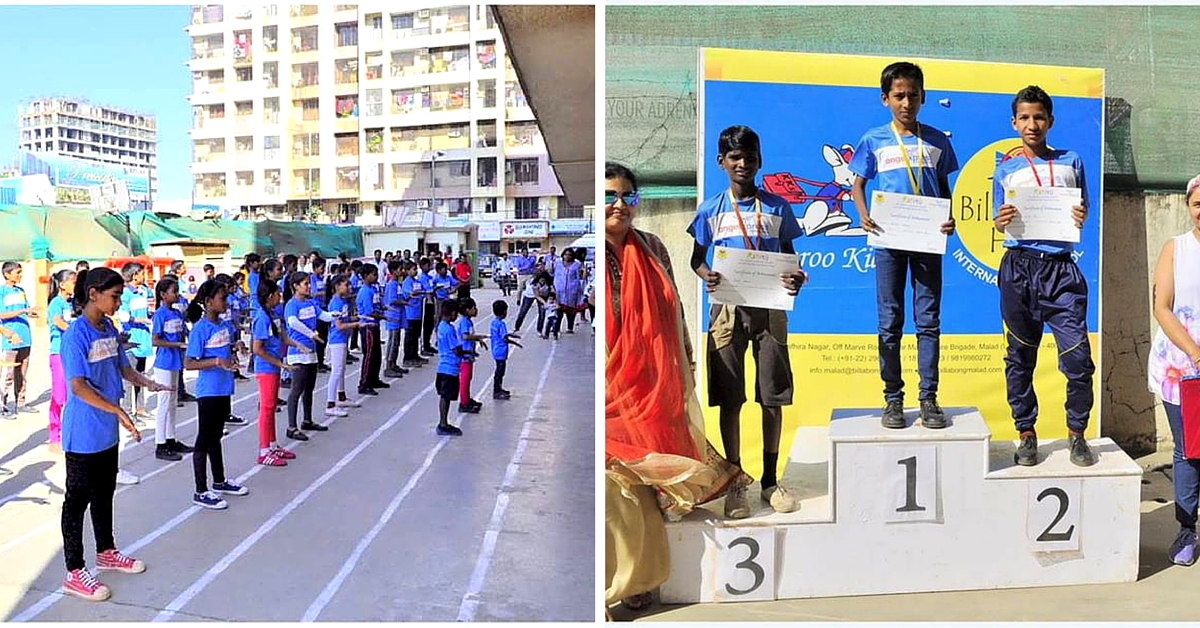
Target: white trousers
x: 164, y: 411
x: 336, y: 359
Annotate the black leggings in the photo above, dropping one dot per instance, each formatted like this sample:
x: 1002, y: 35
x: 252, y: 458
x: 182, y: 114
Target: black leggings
x: 91, y: 481
x: 411, y: 340
x: 213, y: 411
x: 498, y: 376
x: 17, y: 375
x: 371, y: 359
x: 430, y: 323
x: 304, y: 380
x: 323, y: 330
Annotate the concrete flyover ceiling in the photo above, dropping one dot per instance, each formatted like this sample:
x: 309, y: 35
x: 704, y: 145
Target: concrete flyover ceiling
x: 553, y: 49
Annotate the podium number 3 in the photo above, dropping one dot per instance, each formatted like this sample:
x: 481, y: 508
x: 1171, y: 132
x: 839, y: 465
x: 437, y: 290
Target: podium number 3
x: 1063, y: 503
x: 748, y: 564
x: 910, y: 486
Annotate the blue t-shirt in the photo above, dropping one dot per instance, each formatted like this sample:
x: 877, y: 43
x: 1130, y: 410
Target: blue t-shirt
x: 355, y: 282
x: 395, y: 313
x: 338, y: 308
x: 442, y: 284
x: 426, y: 281
x: 498, y: 333
x: 96, y: 356
x: 716, y: 224
x: 261, y: 329
x: 366, y: 305
x: 252, y: 283
x: 877, y: 156
x: 464, y: 327
x: 316, y: 284
x: 12, y: 298
x: 211, y: 340
x: 447, y: 341
x: 168, y: 325
x: 58, y: 307
x: 1014, y: 172
x: 135, y: 304
x: 308, y: 312
x: 411, y: 290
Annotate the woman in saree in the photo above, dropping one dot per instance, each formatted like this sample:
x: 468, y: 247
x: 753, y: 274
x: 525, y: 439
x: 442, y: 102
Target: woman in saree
x: 657, y: 458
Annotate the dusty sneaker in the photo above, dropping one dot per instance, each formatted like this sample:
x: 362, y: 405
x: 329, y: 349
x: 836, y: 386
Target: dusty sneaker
x: 736, y: 504
x: 781, y: 499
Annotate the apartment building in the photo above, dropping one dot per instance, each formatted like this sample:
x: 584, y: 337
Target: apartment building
x: 348, y: 113
x: 119, y: 143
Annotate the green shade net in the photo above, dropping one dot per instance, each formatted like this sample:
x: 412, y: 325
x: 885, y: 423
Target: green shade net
x: 1148, y: 54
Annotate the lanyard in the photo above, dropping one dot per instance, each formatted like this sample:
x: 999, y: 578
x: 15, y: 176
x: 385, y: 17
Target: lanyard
x: 908, y: 164
x: 1035, y: 172
x: 758, y: 220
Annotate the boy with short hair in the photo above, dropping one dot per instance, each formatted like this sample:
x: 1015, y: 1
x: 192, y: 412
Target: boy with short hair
x: 394, y: 322
x: 905, y: 156
x: 734, y: 218
x: 414, y: 297
x: 501, y: 340
x: 369, y: 314
x: 450, y: 353
x: 1040, y: 283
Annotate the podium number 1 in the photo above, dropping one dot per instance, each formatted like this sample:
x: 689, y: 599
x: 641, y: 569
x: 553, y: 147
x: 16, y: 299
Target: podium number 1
x: 910, y: 490
x: 910, y: 485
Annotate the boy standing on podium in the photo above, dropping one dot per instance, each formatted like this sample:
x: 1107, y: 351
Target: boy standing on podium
x: 743, y: 216
x: 1040, y: 283
x: 906, y: 157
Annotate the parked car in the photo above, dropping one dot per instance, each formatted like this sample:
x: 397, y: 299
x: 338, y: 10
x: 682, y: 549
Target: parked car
x: 487, y: 263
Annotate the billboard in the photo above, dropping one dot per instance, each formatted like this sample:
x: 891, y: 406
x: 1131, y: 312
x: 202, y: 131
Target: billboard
x: 810, y: 110
x: 71, y: 172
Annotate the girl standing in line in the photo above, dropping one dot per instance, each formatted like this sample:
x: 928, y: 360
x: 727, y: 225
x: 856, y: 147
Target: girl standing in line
x: 343, y: 325
x: 60, y: 313
x: 15, y: 313
x: 94, y: 365
x: 466, y: 368
x: 210, y: 352
x: 301, y: 314
x: 135, y: 321
x: 268, y: 350
x: 169, y: 337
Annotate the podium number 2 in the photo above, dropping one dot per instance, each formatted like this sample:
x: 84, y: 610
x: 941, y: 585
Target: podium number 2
x: 1063, y: 503
x: 748, y: 564
x: 1053, y: 522
x: 910, y: 485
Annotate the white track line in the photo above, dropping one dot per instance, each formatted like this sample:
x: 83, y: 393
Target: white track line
x: 470, y: 601
x: 332, y: 587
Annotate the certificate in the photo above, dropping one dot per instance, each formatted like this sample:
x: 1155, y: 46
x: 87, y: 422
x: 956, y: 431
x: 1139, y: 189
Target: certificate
x: 1043, y: 213
x: 908, y: 222
x: 751, y: 278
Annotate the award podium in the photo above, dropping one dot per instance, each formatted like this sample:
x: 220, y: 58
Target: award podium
x: 915, y: 510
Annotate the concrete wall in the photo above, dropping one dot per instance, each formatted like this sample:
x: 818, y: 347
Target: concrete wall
x: 1135, y: 227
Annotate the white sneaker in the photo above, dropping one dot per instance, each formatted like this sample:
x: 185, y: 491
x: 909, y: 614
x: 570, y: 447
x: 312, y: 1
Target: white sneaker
x: 336, y: 412
x: 125, y: 477
x: 349, y: 403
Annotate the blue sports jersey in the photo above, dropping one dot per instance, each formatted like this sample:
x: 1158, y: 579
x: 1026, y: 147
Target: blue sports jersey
x: 442, y: 285
x: 447, y: 341
x: 252, y: 283
x: 59, y: 307
x: 365, y: 302
x: 338, y: 308
x: 96, y: 356
x: 1014, y: 172
x: 261, y: 329
x: 13, y: 298
x: 308, y: 312
x: 411, y: 289
x: 168, y: 325
x: 395, y: 313
x: 499, y: 332
x: 211, y: 340
x: 465, y: 326
x: 716, y: 224
x: 878, y: 157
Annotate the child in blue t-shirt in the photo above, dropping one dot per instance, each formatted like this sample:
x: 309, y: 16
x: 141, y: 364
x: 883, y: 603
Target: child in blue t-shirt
x: 169, y: 336
x: 210, y: 351
x: 301, y: 315
x: 92, y: 359
x: 369, y: 305
x: 743, y: 216
x: 134, y: 316
x: 501, y: 340
x: 340, y: 330
x: 468, y: 310
x: 16, y: 346
x: 413, y: 293
x: 905, y: 156
x: 1040, y: 283
x: 267, y: 342
x: 394, y: 303
x: 59, y: 314
x: 450, y: 355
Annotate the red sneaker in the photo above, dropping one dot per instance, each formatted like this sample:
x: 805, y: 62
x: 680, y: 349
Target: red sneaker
x: 81, y: 583
x: 114, y: 560
x: 272, y: 459
x: 283, y: 453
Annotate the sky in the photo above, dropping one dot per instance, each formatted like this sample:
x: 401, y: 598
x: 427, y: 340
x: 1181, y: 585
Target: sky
x: 121, y: 56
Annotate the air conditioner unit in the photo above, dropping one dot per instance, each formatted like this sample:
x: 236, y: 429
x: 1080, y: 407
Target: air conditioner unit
x: 423, y: 14
x: 423, y: 204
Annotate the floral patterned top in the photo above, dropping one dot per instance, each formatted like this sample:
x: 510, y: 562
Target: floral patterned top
x: 1169, y: 363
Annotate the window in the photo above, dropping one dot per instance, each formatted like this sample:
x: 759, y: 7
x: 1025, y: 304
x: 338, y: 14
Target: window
x: 271, y: 181
x: 243, y: 108
x: 448, y: 97
x: 405, y: 63
x: 459, y: 168
x: 271, y: 110
x: 489, y: 206
x: 375, y: 141
x: 374, y: 66
x: 347, y: 144
x: 306, y: 181
x: 374, y: 102
x: 245, y: 178
x: 523, y: 171
x: 347, y: 212
x: 242, y: 75
x: 459, y: 206
x: 306, y: 145
x: 309, y: 109
x: 304, y: 39
x: 485, y: 51
x: 244, y: 144
x: 527, y: 208
x: 345, y: 71
x: 305, y: 75
x: 485, y: 94
x: 454, y: 59
x: 347, y: 179
x: 487, y: 172
x: 513, y: 96
x: 570, y: 211
x: 271, y: 148
x: 522, y: 135
x: 347, y: 34
x: 402, y: 21
x: 487, y: 134
x: 271, y: 74
x: 346, y: 106
x: 271, y: 38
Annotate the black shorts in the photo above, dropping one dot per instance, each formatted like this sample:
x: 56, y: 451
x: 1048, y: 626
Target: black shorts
x: 447, y: 386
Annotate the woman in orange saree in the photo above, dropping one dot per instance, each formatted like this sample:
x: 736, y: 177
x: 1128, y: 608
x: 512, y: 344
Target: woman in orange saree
x: 657, y: 458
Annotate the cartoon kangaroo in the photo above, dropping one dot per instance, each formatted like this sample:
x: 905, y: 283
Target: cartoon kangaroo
x: 828, y: 216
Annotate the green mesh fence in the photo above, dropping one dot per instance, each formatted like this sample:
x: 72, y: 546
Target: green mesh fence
x: 1148, y: 54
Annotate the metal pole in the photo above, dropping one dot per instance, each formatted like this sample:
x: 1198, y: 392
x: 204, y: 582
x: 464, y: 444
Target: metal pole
x: 432, y: 183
